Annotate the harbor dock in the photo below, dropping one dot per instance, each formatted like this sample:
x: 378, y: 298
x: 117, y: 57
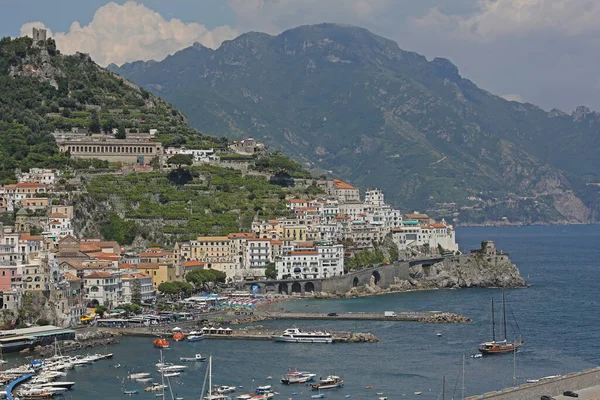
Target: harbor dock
x: 247, y: 333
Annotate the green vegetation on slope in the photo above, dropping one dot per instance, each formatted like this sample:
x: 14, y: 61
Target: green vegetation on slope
x: 354, y: 103
x: 217, y: 201
x: 42, y: 91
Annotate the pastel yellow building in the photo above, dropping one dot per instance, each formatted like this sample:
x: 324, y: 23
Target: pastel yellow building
x: 294, y: 233
x: 216, y: 252
x: 159, y: 272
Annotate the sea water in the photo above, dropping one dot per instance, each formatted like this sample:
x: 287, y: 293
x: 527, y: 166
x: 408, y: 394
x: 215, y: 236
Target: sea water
x: 558, y: 317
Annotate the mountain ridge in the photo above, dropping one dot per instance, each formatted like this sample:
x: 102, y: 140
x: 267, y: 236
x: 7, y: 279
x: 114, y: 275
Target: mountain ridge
x: 345, y: 100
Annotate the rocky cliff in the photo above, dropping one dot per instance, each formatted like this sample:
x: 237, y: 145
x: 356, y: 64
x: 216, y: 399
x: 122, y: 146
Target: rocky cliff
x: 463, y: 271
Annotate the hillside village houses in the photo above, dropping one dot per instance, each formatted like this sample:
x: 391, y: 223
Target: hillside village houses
x: 311, y: 242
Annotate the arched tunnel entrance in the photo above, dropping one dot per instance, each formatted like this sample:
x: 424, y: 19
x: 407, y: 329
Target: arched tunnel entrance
x: 355, y: 281
x: 296, y: 287
x: 283, y: 288
x: 309, y: 287
x: 376, y: 277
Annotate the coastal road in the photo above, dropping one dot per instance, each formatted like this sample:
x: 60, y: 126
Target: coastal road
x: 591, y: 393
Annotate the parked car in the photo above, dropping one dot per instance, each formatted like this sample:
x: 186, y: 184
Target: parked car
x: 570, y: 393
x: 547, y: 398
x: 332, y: 314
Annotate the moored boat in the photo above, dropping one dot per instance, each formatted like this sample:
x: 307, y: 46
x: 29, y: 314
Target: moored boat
x: 295, y: 335
x: 330, y: 382
x: 195, y: 336
x: 178, y: 336
x: 502, y: 346
x: 161, y: 343
x: 294, y: 377
x: 197, y: 357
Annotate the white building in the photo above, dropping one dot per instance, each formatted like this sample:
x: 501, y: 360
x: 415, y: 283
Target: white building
x: 318, y: 262
x: 40, y: 175
x: 258, y: 255
x: 435, y: 236
x: 58, y: 226
x: 198, y: 155
x: 104, y: 288
x: 130, y: 281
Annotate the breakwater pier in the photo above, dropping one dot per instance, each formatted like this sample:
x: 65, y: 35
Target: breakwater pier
x: 417, y: 316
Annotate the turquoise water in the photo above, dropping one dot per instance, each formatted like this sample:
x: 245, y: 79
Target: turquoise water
x: 558, y: 317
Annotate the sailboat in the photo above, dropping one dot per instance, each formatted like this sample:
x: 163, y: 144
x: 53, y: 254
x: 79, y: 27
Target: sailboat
x: 502, y: 346
x: 212, y: 395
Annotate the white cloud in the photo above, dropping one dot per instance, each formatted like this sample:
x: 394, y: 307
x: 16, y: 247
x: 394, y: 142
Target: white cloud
x: 494, y: 18
x: 513, y: 97
x: 273, y: 16
x: 130, y: 32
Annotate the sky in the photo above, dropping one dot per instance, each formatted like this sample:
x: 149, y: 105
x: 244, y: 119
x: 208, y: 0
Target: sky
x: 544, y: 52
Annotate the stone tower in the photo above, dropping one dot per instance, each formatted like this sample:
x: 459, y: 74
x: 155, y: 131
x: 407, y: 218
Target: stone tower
x: 38, y: 34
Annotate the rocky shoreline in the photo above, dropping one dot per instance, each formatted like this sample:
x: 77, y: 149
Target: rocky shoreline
x: 85, y: 340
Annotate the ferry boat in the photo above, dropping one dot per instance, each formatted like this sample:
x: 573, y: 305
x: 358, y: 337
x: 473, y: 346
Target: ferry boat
x: 330, y: 382
x: 295, y: 335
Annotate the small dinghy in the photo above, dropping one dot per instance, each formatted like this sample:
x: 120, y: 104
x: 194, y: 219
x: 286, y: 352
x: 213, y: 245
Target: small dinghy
x: 317, y: 396
x: 131, y: 391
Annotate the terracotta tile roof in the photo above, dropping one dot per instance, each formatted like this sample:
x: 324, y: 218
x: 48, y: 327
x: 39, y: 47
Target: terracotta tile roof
x: 212, y: 238
x: 305, y: 253
x: 416, y: 216
x: 105, y: 256
x: 127, y: 266
x: 148, y: 265
x: 438, y: 225
x: 273, y: 222
x: 342, y: 185
x: 154, y: 248
x: 276, y: 242
x: 99, y: 275
x: 55, y: 222
x: 193, y: 263
x: 29, y: 237
x: 71, y: 277
x: 240, y: 235
x: 89, y: 248
x: 258, y: 240
x: 341, y: 216
x: 305, y: 245
x: 299, y: 201
x: 57, y: 215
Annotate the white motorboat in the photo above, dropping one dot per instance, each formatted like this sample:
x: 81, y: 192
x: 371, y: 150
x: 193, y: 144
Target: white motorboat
x: 295, y: 335
x: 171, y: 374
x: 195, y: 336
x: 173, y: 368
x: 155, y: 387
x: 244, y: 397
x: 63, y: 384
x: 163, y: 364
x: 294, y: 377
x: 225, y: 389
x: 197, y: 357
x: 143, y: 380
x: 139, y: 375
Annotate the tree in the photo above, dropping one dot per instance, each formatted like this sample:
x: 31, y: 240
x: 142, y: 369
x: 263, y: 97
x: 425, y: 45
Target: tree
x: 119, y: 230
x: 95, y: 126
x: 100, y: 310
x: 136, y: 292
x: 155, y: 163
x: 121, y: 133
x: 131, y: 308
x: 179, y: 160
x: 168, y: 288
x: 271, y: 271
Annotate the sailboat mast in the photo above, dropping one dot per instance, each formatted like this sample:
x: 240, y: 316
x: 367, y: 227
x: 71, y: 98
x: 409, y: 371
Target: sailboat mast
x: 514, y: 366
x: 162, y: 374
x: 504, y: 314
x: 444, y: 388
x: 493, y: 323
x: 210, y: 377
x: 463, y: 378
